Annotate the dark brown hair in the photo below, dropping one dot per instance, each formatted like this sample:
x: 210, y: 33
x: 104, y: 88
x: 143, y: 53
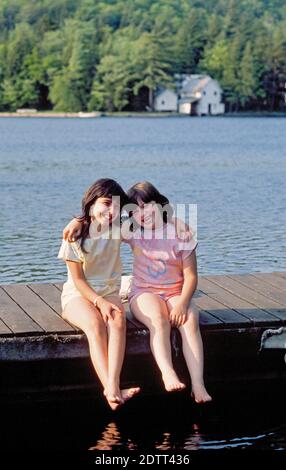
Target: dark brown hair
x: 145, y: 192
x: 104, y: 187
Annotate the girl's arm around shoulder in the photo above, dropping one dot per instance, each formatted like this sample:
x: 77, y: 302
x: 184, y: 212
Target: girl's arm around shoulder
x: 183, y: 231
x: 126, y: 234
x: 72, y: 230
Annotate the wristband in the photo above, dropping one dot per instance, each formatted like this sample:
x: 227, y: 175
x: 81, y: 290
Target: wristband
x: 96, y: 300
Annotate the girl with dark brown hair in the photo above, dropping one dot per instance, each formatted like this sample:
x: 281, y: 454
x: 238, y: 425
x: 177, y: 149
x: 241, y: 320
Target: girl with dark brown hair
x: 90, y: 297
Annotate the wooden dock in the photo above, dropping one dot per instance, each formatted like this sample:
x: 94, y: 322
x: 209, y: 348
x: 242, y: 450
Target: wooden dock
x: 235, y: 310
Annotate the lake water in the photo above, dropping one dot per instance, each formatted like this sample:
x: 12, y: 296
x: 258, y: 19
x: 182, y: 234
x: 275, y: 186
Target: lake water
x: 234, y: 169
x: 158, y: 423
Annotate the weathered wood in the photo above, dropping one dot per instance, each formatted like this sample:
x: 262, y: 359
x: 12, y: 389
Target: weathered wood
x: 59, y: 285
x: 226, y: 304
x: 250, y: 295
x: 39, y: 352
x: 280, y: 274
x: 4, y: 330
x: 14, y: 316
x: 38, y: 310
x: 255, y: 315
x: 259, y: 285
x: 50, y: 295
x: 226, y: 315
x: 58, y: 346
x: 207, y: 320
x: 272, y: 280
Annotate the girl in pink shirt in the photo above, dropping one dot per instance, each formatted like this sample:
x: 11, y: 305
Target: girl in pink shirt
x: 164, y: 281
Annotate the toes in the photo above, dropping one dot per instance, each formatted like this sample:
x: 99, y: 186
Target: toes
x: 129, y: 393
x: 200, y: 399
x: 175, y: 387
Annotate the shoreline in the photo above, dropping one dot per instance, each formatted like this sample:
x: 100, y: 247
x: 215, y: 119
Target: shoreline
x: 133, y: 114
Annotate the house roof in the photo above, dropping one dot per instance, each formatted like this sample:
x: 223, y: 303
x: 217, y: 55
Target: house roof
x: 195, y: 83
x: 188, y: 87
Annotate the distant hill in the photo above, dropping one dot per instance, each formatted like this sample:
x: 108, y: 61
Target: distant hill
x: 108, y: 55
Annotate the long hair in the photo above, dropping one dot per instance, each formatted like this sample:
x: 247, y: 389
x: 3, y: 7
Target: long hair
x: 145, y: 192
x: 104, y: 187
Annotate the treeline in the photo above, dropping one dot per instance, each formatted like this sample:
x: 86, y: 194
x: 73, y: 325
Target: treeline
x: 73, y: 55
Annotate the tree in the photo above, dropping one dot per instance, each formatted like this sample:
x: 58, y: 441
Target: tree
x: 110, y: 86
x: 191, y: 40
x: 247, y: 83
x: 151, y: 64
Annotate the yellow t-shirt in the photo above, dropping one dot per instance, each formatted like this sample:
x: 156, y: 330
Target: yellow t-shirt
x: 101, y: 264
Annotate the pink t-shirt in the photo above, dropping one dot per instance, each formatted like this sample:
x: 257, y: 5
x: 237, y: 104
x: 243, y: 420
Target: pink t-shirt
x: 158, y: 260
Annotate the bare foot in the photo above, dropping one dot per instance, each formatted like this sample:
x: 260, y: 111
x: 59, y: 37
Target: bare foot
x: 113, y: 396
x: 200, y: 395
x: 128, y: 393
x: 172, y: 382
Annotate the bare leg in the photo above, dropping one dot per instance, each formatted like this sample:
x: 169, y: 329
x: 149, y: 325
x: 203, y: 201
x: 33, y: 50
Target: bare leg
x: 152, y: 311
x: 193, y: 350
x: 116, y: 329
x: 81, y: 313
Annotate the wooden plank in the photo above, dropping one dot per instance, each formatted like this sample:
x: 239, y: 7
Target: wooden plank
x: 261, y: 286
x: 280, y: 274
x: 226, y: 315
x: 209, y: 320
x: 63, y: 346
x: 273, y: 280
x: 38, y: 310
x: 255, y: 315
x: 59, y: 285
x: 206, y: 318
x: 43, y: 347
x: 14, y: 317
x: 4, y: 330
x: 51, y: 296
x: 250, y: 295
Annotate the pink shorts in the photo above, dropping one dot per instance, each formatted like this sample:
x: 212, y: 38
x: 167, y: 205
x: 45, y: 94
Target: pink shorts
x: 164, y: 295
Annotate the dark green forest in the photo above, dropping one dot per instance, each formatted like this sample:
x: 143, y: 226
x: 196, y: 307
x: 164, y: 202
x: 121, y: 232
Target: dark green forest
x: 77, y: 55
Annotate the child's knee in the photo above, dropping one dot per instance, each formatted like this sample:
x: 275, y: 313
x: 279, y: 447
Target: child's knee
x: 119, y: 321
x: 160, y: 322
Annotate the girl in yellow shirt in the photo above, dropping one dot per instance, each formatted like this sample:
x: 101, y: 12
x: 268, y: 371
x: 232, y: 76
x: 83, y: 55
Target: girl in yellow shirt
x: 90, y: 297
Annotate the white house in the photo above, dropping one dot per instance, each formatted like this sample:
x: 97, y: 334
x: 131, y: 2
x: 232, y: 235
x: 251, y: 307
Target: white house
x: 200, y: 95
x: 194, y: 95
x: 166, y: 99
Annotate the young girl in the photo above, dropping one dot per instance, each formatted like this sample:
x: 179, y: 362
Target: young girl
x: 90, y: 297
x: 164, y: 281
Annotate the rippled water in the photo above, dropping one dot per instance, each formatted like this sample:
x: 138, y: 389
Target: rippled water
x: 233, y: 168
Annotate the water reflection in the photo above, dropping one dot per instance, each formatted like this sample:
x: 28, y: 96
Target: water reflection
x: 175, y: 427
x: 149, y: 423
